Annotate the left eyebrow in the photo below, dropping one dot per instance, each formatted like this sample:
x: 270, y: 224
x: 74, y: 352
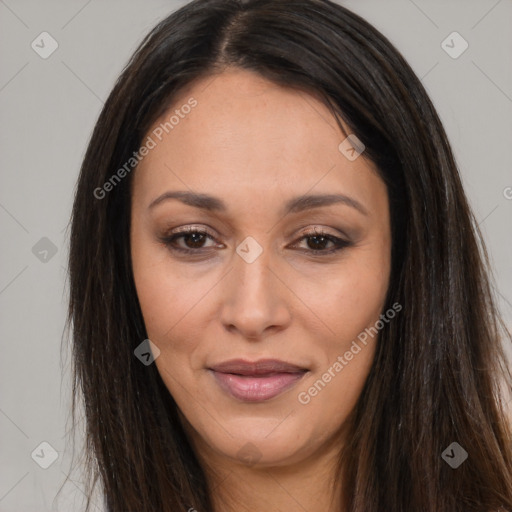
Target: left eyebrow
x: 307, y: 202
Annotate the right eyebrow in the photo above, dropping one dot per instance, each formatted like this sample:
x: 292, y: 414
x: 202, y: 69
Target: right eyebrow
x: 204, y: 201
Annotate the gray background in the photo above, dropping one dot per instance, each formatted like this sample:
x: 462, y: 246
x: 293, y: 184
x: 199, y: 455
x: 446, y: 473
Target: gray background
x: 48, y: 108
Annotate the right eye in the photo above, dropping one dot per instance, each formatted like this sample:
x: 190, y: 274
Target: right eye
x: 192, y: 237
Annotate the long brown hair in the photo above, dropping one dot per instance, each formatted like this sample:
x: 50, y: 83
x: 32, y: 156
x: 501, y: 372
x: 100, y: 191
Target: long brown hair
x: 436, y: 374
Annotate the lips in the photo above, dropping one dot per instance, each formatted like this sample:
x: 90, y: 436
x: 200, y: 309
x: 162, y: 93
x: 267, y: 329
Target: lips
x: 262, y: 367
x: 256, y: 381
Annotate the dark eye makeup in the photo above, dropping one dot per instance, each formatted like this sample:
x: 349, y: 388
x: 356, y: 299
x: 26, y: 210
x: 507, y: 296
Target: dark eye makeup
x: 194, y: 237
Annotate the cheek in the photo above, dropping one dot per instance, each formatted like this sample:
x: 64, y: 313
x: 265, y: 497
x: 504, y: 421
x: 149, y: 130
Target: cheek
x: 168, y: 302
x: 345, y: 357
x: 169, y: 305
x: 347, y: 299
x: 350, y: 303
x: 330, y: 395
x: 155, y: 292
x: 353, y: 306
x: 165, y: 294
x: 173, y: 299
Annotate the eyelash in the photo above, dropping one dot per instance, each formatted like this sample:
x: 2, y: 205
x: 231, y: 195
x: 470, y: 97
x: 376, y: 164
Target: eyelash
x: 171, y: 239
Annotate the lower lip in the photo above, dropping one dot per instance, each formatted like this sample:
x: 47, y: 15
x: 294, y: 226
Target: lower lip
x: 256, y: 389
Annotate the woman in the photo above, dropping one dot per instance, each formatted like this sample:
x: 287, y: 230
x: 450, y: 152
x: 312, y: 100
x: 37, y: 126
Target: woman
x: 278, y: 292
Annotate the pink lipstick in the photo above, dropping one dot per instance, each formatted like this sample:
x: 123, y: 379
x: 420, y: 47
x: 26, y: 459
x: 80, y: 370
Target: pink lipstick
x: 256, y: 381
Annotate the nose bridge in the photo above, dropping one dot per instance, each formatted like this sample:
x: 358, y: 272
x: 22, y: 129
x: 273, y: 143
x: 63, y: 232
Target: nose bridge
x: 253, y: 298
x: 252, y: 275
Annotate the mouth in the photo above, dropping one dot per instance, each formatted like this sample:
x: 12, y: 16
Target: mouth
x: 256, y: 381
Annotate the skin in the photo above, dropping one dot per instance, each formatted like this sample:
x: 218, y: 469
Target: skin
x: 256, y: 145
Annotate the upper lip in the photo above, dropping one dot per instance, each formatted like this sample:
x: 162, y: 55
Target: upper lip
x: 261, y: 367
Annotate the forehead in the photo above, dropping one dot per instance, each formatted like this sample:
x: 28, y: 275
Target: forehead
x: 245, y: 135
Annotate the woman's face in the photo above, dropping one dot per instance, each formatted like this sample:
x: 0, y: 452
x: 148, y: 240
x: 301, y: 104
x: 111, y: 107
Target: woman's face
x: 276, y: 276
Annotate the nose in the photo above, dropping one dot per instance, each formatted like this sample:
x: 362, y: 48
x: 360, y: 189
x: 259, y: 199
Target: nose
x: 256, y: 298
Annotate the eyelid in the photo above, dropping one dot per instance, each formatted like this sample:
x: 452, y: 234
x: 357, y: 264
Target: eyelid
x: 176, y: 233
x: 323, y: 231
x: 192, y: 228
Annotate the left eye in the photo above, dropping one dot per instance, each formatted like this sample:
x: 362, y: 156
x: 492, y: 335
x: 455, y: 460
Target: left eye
x: 316, y: 242
x: 194, y: 239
